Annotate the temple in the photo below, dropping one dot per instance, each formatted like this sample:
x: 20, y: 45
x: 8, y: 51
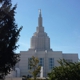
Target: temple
x: 40, y: 47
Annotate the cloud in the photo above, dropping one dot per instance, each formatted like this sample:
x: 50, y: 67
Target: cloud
x: 24, y: 44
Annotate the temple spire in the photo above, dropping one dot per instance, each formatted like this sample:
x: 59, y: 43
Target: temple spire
x: 39, y: 12
x: 40, y: 41
x: 40, y: 19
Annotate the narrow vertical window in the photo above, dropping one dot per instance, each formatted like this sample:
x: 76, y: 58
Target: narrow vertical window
x: 41, y: 61
x: 28, y: 62
x: 51, y: 63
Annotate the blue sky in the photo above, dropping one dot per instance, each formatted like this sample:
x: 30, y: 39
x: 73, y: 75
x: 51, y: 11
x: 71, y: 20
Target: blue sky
x: 61, y: 20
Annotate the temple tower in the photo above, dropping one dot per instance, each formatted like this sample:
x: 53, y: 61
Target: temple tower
x: 40, y: 41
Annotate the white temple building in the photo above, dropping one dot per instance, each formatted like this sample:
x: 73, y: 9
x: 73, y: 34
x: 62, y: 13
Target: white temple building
x: 40, y: 47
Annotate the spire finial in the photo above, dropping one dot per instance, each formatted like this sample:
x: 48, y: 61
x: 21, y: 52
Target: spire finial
x: 39, y: 12
x: 40, y: 19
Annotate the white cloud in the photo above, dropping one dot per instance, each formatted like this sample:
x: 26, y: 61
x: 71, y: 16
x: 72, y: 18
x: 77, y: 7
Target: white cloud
x: 23, y: 46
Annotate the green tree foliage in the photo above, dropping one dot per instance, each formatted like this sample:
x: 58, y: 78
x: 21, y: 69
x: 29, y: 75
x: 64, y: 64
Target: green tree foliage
x: 66, y: 71
x: 9, y: 35
x: 34, y: 66
x: 0, y: 1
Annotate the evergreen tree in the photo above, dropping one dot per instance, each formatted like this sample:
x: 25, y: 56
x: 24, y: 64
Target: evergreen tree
x: 0, y: 1
x: 9, y: 35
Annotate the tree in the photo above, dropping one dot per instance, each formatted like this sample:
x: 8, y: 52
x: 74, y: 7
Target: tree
x: 0, y: 1
x: 9, y: 35
x: 66, y: 71
x: 34, y: 66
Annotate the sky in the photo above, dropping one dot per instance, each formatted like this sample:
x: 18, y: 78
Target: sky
x: 61, y: 20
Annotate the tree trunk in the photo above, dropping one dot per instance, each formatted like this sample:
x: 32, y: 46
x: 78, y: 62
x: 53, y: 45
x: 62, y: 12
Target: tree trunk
x: 34, y: 77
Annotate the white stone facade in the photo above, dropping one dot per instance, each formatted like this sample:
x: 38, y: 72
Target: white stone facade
x: 56, y: 55
x: 40, y: 47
